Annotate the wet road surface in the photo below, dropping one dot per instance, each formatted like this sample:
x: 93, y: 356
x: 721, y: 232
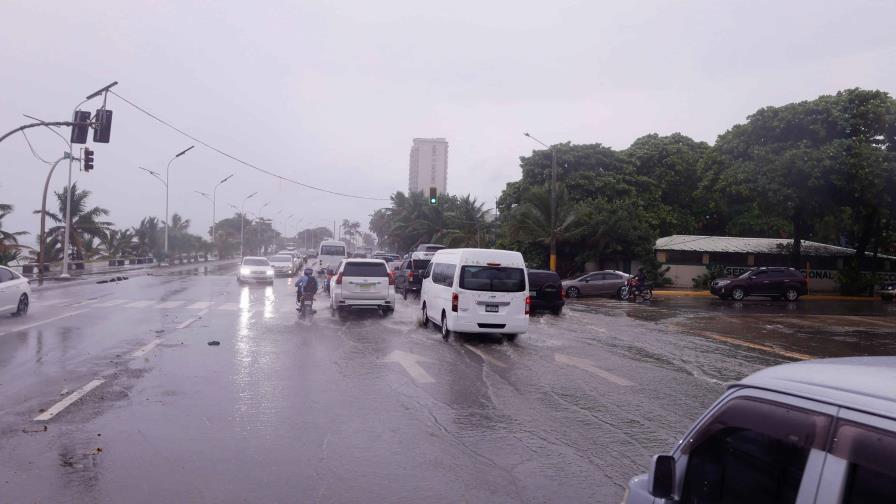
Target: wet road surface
x: 139, y: 408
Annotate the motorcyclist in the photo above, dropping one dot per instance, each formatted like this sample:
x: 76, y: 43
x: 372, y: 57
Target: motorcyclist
x: 640, y: 280
x: 306, y: 285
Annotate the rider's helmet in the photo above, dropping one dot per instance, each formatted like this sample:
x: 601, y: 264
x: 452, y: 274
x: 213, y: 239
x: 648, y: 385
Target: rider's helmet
x: 309, y: 271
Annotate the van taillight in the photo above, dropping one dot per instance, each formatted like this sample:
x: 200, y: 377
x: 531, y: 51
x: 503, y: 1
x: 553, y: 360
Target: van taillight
x: 339, y: 279
x: 391, y: 278
x: 410, y: 275
x: 562, y: 293
x: 528, y: 304
x: 455, y: 300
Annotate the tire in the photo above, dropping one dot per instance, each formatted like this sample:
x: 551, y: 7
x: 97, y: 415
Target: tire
x: 619, y: 293
x: 425, y: 321
x: 738, y: 294
x: 647, y: 294
x: 386, y: 311
x: 791, y: 294
x: 445, y: 332
x: 573, y: 292
x: 556, y: 311
x: 342, y: 313
x: 404, y: 293
x: 22, y: 308
x: 511, y: 337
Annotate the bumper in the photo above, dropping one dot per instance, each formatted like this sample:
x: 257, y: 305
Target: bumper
x: 365, y: 303
x: 257, y: 278
x: 719, y: 290
x: 538, y: 304
x: 511, y: 325
x: 283, y: 271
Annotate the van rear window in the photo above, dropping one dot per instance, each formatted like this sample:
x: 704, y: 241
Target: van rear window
x: 332, y: 250
x: 492, y: 279
x: 353, y: 269
x: 419, y: 264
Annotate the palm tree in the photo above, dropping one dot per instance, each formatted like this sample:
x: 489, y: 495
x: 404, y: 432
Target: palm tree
x: 9, y: 241
x: 117, y: 243
x: 84, y: 222
x: 146, y: 236
x: 465, y: 223
x: 531, y: 220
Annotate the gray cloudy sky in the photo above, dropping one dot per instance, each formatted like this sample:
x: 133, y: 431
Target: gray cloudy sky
x: 332, y: 93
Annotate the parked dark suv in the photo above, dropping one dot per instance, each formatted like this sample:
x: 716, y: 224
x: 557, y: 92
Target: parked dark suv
x: 776, y: 283
x: 409, y: 277
x: 546, y: 291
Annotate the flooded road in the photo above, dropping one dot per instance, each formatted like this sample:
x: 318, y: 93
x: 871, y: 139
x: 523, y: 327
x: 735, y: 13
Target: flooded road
x: 373, y: 408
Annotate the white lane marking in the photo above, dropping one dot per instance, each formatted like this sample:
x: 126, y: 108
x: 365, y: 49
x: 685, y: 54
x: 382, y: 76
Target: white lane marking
x: 591, y: 368
x: 49, y: 302
x: 229, y: 306
x: 35, y: 324
x: 484, y: 355
x: 82, y: 303
x: 185, y: 323
x: 170, y: 304
x: 409, y: 362
x: 139, y: 304
x: 61, y: 405
x: 112, y: 302
x: 200, y: 305
x: 146, y: 348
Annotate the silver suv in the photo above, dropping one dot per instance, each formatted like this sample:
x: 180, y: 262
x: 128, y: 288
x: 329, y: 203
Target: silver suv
x: 362, y: 283
x: 820, y: 431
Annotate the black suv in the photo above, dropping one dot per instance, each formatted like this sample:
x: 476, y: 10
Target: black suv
x: 776, y: 283
x: 546, y: 291
x: 409, y: 277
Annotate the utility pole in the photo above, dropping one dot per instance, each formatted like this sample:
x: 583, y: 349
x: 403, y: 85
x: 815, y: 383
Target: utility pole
x: 43, y: 224
x: 553, y: 189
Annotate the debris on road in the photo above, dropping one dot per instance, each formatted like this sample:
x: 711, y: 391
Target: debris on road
x: 30, y: 431
x: 214, y: 343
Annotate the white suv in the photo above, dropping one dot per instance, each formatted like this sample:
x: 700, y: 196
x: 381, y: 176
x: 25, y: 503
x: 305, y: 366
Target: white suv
x: 821, y: 431
x: 362, y: 283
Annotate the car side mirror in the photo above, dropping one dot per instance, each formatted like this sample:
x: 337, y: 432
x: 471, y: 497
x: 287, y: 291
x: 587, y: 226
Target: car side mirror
x: 661, y: 478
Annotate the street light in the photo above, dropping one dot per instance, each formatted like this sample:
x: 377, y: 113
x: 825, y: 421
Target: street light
x: 553, y: 258
x: 167, y: 181
x: 212, y: 201
x: 243, y: 219
x: 260, y: 222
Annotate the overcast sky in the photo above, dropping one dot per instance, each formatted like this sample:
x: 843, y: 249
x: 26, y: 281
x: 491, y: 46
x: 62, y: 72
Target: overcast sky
x: 332, y: 93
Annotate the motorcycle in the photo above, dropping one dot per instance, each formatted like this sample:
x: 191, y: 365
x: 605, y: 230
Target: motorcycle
x: 631, y: 291
x: 305, y: 305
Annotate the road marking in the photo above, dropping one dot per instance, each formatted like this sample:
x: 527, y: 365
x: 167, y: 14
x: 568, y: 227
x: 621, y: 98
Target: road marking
x: 49, y: 302
x: 185, y: 323
x: 170, y: 304
x: 146, y: 348
x: 140, y: 304
x: 200, y: 305
x: 35, y: 324
x: 484, y: 355
x: 409, y: 362
x: 112, y: 302
x: 82, y: 303
x: 229, y: 306
x: 757, y: 346
x: 591, y: 368
x: 61, y: 405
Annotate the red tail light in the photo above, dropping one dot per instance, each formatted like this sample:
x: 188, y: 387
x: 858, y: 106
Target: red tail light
x: 391, y: 278
x: 455, y: 300
x: 562, y: 293
x: 339, y: 279
x: 410, y: 275
x: 528, y: 304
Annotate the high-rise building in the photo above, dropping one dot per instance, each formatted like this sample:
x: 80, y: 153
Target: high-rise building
x: 429, y: 165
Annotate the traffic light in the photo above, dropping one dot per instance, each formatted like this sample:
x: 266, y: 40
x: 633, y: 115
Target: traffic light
x: 87, y: 160
x: 433, y: 196
x: 103, y: 127
x: 81, y: 127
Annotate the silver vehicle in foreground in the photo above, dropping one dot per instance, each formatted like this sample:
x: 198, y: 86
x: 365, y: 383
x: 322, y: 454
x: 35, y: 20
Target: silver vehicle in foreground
x: 819, y: 431
x: 255, y: 269
x: 599, y: 283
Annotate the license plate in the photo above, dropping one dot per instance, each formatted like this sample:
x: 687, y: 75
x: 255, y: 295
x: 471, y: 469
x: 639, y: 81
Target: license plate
x: 365, y: 287
x: 491, y: 308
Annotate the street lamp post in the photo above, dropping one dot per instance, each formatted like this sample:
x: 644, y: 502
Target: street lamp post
x: 158, y: 176
x: 167, y: 180
x: 260, y: 222
x: 212, y: 201
x: 243, y: 219
x: 553, y: 258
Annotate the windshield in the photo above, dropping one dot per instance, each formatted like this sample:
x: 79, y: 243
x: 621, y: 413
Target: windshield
x: 256, y: 262
x: 493, y: 279
x: 332, y: 250
x: 354, y: 269
x: 281, y: 258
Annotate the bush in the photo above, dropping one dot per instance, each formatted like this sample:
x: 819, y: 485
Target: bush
x: 853, y: 282
x: 713, y: 271
x: 655, y: 271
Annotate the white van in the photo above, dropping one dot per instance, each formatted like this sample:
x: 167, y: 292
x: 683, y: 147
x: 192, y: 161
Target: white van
x: 476, y: 291
x: 330, y: 254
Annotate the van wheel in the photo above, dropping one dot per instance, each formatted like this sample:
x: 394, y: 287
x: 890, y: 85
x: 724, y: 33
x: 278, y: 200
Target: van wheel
x: 556, y: 311
x: 445, y: 332
x: 572, y: 292
x: 791, y: 294
x: 404, y: 293
x: 738, y: 294
x: 425, y: 321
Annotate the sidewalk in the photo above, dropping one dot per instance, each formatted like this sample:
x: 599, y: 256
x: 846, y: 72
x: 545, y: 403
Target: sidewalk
x: 810, y: 297
x: 125, y: 271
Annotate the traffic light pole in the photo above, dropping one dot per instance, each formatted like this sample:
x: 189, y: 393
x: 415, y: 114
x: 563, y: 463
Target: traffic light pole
x: 43, y: 224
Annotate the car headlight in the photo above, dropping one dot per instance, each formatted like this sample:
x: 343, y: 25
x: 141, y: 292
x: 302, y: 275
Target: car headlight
x: 722, y: 282
x: 270, y: 272
x: 244, y: 271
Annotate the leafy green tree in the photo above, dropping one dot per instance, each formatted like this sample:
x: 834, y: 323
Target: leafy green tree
x: 117, y: 243
x: 85, y: 221
x: 10, y: 249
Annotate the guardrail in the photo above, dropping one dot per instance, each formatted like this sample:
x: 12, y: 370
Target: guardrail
x: 78, y: 268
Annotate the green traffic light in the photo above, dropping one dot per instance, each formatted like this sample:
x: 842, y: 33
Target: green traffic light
x: 432, y: 201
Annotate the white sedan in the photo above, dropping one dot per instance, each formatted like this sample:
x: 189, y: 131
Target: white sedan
x: 15, y: 292
x: 255, y: 269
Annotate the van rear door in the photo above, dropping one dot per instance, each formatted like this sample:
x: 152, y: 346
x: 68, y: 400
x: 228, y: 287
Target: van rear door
x: 490, y: 290
x: 365, y: 280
